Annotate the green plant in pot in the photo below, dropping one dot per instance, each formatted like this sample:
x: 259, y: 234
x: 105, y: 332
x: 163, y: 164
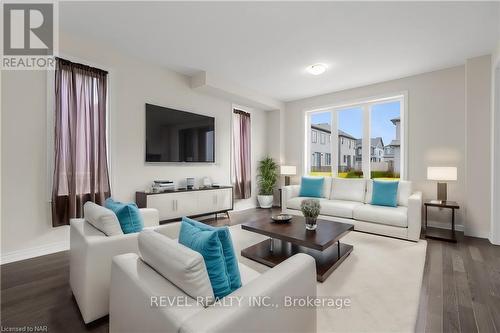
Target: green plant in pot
x: 267, y: 176
x: 310, y: 208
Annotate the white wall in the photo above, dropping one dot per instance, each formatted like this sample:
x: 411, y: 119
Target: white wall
x: 25, y: 207
x: 25, y: 216
x: 478, y: 167
x: 495, y: 146
x: 436, y: 127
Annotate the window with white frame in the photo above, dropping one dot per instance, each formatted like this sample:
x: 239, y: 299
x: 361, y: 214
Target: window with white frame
x: 365, y: 139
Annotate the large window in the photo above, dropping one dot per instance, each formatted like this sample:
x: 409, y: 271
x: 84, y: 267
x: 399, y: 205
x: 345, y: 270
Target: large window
x: 350, y: 131
x: 364, y: 140
x: 385, y: 129
x: 319, y: 150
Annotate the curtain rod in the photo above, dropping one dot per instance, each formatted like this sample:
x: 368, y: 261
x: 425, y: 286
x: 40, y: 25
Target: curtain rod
x: 241, y: 112
x: 81, y: 65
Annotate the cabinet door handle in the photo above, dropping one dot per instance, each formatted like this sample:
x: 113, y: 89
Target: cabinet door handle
x: 176, y: 205
x: 173, y: 205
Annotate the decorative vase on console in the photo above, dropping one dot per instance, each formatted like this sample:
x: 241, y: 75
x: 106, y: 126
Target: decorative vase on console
x: 310, y: 208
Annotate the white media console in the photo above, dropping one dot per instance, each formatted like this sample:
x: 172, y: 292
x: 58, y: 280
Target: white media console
x: 173, y: 205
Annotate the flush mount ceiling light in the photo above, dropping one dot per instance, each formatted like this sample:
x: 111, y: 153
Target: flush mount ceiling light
x: 316, y: 69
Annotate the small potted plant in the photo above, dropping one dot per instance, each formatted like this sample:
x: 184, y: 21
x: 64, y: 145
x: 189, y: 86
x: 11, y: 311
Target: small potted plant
x: 267, y: 177
x: 310, y: 208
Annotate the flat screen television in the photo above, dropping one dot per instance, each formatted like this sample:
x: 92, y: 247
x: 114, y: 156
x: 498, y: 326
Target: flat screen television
x: 178, y: 136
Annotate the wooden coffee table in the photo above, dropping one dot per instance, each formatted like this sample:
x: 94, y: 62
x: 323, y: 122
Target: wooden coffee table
x: 287, y: 239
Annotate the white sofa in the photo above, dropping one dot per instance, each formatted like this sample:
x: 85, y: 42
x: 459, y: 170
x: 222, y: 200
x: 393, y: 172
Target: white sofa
x: 138, y: 283
x: 91, y: 252
x: 348, y: 200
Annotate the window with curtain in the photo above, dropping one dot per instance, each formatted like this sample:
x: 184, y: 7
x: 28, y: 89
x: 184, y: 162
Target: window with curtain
x: 241, y: 154
x: 80, y: 143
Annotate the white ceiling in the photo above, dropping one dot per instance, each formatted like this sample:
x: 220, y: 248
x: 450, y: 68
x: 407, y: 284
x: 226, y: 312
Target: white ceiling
x: 266, y: 46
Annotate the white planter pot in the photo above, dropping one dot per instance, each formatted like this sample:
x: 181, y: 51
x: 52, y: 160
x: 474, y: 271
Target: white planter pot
x: 265, y: 201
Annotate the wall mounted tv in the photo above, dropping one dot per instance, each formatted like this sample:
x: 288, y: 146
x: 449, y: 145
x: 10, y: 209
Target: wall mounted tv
x: 178, y: 136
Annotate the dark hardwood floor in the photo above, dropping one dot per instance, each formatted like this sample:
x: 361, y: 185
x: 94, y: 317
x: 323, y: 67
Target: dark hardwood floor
x: 460, y: 288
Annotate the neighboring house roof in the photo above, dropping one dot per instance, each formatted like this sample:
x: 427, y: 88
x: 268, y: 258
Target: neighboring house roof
x: 395, y: 143
x: 346, y: 135
x: 396, y: 120
x: 326, y: 128
x: 377, y: 142
x: 322, y: 127
x: 374, y: 142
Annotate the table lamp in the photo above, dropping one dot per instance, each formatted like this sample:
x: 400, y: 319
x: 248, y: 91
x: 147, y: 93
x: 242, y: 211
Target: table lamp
x: 287, y: 171
x: 442, y: 174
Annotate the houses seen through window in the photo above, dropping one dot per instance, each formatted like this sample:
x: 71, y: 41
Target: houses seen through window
x: 368, y: 141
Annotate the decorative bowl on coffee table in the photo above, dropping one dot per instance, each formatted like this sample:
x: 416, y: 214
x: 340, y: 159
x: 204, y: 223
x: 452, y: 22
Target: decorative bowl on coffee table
x: 282, y: 218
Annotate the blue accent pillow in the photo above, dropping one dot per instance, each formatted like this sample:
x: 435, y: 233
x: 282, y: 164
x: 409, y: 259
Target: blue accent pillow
x: 230, y: 258
x: 128, y: 215
x: 311, y: 187
x: 385, y: 193
x: 207, y: 243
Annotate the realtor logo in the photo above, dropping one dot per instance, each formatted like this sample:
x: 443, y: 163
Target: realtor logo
x: 28, y: 29
x: 29, y: 35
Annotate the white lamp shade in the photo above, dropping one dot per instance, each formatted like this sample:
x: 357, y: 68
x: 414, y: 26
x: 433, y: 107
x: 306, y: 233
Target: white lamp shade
x: 288, y: 170
x: 442, y: 173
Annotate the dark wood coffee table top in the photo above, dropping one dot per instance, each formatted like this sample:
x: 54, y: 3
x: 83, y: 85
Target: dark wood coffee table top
x: 325, y: 235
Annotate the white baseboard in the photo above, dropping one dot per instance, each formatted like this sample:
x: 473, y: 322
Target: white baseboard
x: 443, y: 225
x: 33, y: 252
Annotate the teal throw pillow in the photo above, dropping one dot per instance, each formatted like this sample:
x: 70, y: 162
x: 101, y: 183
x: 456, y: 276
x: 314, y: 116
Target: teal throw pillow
x: 128, y: 215
x: 385, y: 193
x: 207, y: 243
x: 230, y: 258
x: 311, y: 187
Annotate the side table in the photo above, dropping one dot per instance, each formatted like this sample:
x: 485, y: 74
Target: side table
x: 438, y: 233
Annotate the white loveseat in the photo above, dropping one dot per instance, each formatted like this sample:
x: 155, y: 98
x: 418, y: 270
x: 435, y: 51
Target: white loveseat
x: 158, y: 290
x: 91, y: 253
x: 348, y: 200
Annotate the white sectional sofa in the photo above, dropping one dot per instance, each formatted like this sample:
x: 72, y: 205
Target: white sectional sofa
x: 348, y: 200
x: 158, y: 290
x: 91, y: 253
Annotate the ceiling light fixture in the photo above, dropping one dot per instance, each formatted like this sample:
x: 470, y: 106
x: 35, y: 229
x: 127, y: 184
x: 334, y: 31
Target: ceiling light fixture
x: 316, y: 69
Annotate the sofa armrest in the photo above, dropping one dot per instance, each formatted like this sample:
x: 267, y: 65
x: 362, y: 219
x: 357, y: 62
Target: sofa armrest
x: 414, y: 216
x: 288, y: 192
x: 150, y: 216
x: 272, y: 288
x: 91, y: 253
x: 171, y: 230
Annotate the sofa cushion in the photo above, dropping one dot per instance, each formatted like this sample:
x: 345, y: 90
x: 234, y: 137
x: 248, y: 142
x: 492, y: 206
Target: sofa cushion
x: 404, y: 192
x: 230, y: 258
x: 128, y: 215
x: 207, y: 243
x: 327, y: 187
x: 395, y: 216
x: 178, y: 264
x: 311, y: 187
x: 102, y: 219
x: 385, y: 193
x: 294, y: 203
x: 348, y: 189
x: 339, y: 208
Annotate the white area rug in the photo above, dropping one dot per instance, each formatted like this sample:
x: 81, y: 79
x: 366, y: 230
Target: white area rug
x: 382, y: 277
